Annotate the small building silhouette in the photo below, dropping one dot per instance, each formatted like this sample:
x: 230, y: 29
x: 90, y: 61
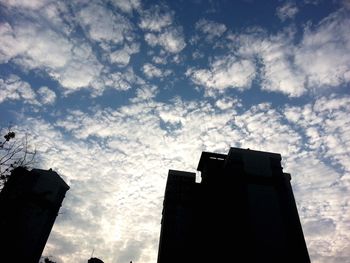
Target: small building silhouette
x: 29, y: 204
x: 242, y: 210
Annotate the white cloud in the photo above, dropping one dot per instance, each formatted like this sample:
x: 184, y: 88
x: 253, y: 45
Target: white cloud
x: 127, y: 6
x: 34, y: 4
x: 324, y: 53
x: 159, y: 60
x: 225, y: 72
x: 122, y: 56
x: 324, y: 226
x: 47, y: 96
x: 287, y: 11
x: 197, y: 54
x: 80, y: 71
x: 73, y: 64
x: 158, y: 24
x: 122, y: 80
x: 156, y: 19
x: 211, y: 29
x: 145, y: 93
x: 33, y: 47
x: 275, y: 54
x: 279, y: 73
x: 172, y: 39
x: 227, y: 103
x: 103, y: 25
x: 131, y: 147
x: 152, y: 71
x: 324, y: 124
x: 320, y: 60
x: 13, y: 88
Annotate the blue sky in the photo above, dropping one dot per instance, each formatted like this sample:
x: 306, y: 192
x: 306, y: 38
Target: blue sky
x: 114, y: 93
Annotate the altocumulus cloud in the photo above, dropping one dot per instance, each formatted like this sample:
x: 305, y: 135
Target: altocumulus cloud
x: 119, y: 200
x: 115, y: 93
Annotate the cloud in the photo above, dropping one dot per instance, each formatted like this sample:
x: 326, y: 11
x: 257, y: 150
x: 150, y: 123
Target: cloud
x: 152, y: 71
x: 157, y: 22
x: 274, y: 54
x: 319, y: 61
x: 51, y: 47
x: 278, y: 72
x: 73, y: 64
x: 159, y: 60
x: 103, y: 25
x: 33, y: 47
x: 225, y: 72
x: 127, y: 6
x: 325, y: 226
x: 156, y: 19
x: 80, y: 71
x: 323, y: 54
x: 34, y: 5
x: 287, y: 11
x: 321, y: 188
x: 13, y: 88
x: 227, y: 103
x: 172, y: 39
x: 47, y: 96
x: 323, y: 124
x: 121, y: 80
x: 211, y: 29
x: 124, y: 153
x: 145, y: 93
x: 122, y: 56
x: 131, y: 251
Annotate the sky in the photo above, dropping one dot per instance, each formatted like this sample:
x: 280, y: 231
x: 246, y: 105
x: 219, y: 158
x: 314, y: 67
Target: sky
x: 113, y: 94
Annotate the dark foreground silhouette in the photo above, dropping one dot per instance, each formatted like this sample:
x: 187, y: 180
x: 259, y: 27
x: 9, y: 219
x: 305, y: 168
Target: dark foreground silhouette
x: 29, y: 204
x: 242, y: 211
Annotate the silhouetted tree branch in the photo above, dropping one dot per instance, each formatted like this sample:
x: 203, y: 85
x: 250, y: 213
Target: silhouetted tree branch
x: 13, y: 153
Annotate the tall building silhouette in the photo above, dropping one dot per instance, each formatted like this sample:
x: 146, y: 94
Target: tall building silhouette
x: 243, y: 210
x: 29, y: 204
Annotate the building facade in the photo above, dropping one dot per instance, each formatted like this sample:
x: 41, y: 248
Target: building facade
x: 29, y: 204
x: 243, y: 208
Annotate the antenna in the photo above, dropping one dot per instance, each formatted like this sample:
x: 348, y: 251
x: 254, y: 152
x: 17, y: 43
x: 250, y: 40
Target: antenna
x: 92, y: 253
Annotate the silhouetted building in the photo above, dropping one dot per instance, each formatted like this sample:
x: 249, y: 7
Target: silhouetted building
x: 243, y: 210
x: 95, y: 260
x: 29, y: 204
